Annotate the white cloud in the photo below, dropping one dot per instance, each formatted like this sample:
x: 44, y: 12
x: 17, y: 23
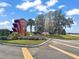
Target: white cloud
x: 33, y: 18
x: 4, y: 4
x: 41, y: 8
x: 2, y: 8
x: 26, y: 0
x: 6, y: 27
x: 46, y: 11
x: 42, y: 11
x: 26, y: 5
x: 4, y: 23
x: 67, y: 17
x: 73, y: 12
x: 51, y: 2
x: 44, y: 8
x: 61, y: 6
x: 13, y: 20
x: 36, y: 4
x: 2, y: 11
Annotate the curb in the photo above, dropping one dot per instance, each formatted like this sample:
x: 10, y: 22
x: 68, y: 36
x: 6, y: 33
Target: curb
x: 44, y: 42
x: 30, y: 46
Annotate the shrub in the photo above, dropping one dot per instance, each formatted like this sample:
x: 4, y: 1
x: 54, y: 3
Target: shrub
x: 13, y: 35
x: 32, y: 38
x: 30, y: 34
x: 3, y: 38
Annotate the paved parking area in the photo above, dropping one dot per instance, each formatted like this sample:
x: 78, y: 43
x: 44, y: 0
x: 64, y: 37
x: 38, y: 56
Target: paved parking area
x: 10, y: 52
x: 55, y: 49
x: 59, y: 49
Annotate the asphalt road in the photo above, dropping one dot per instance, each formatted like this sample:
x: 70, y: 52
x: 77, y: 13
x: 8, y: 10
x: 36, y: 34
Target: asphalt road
x: 10, y: 52
x: 55, y: 49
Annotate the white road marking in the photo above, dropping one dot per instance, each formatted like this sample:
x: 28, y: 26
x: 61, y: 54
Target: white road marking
x: 65, y: 52
x: 66, y: 45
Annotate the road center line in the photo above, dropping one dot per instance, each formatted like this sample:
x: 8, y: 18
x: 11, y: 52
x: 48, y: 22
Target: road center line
x: 65, y: 52
x: 67, y: 45
x: 26, y: 54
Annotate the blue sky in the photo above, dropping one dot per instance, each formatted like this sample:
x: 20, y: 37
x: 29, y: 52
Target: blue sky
x: 14, y: 9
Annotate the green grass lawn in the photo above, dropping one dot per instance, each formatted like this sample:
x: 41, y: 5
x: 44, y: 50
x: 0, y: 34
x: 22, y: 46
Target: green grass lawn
x: 24, y: 42
x: 70, y: 37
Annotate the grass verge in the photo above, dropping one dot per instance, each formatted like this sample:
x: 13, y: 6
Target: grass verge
x: 68, y: 37
x: 23, y: 42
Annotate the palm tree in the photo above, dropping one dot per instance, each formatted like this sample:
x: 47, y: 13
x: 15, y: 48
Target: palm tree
x: 31, y: 23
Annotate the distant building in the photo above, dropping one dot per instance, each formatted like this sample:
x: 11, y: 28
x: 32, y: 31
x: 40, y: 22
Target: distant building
x: 19, y: 26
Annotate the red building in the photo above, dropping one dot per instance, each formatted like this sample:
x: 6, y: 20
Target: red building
x: 19, y: 26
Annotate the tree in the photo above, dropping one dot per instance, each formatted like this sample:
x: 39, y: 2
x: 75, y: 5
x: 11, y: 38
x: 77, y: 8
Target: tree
x: 4, y: 32
x: 61, y: 22
x: 49, y: 21
x: 53, y: 22
x: 39, y: 23
x: 31, y: 23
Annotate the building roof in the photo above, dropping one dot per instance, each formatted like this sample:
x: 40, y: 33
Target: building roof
x: 17, y: 20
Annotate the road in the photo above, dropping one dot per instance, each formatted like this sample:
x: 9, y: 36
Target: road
x: 55, y: 49
x: 10, y: 52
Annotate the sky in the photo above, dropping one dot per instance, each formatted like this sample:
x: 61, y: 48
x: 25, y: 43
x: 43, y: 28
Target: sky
x: 15, y: 9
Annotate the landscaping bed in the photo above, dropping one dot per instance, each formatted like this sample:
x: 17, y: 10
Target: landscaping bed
x: 23, y: 40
